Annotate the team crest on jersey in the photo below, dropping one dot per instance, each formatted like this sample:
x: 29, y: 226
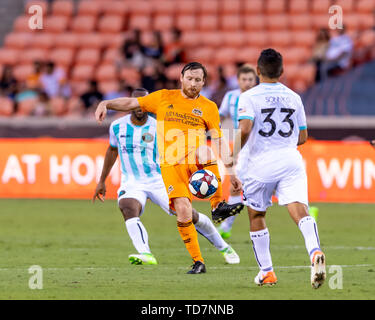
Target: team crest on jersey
x: 170, y: 106
x: 147, y: 137
x: 197, y: 112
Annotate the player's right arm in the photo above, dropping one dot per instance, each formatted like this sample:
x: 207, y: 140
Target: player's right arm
x: 302, y: 138
x: 109, y: 161
x: 120, y: 104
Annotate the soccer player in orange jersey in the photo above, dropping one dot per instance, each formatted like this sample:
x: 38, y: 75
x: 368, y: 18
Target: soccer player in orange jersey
x: 183, y: 119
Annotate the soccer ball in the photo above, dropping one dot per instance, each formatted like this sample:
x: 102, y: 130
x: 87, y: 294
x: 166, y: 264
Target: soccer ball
x: 203, y: 184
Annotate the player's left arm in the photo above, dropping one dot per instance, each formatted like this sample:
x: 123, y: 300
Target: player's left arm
x: 302, y: 123
x: 302, y: 138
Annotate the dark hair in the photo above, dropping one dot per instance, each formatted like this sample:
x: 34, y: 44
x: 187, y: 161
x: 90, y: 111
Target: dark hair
x: 139, y: 92
x: 270, y: 63
x: 195, y: 66
x: 246, y: 68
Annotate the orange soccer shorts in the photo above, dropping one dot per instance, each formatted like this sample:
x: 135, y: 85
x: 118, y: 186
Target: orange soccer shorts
x: 176, y: 181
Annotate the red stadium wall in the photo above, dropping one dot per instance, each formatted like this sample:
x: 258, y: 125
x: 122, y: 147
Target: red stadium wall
x: 69, y: 168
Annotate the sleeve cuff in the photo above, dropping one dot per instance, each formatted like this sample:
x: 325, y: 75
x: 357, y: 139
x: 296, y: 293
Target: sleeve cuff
x: 303, y: 127
x: 246, y: 118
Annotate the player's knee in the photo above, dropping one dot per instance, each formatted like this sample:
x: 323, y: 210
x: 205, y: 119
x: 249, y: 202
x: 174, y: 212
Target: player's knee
x: 253, y: 215
x: 129, y: 210
x: 195, y: 216
x: 183, y: 209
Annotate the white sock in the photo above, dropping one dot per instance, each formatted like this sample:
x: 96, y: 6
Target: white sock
x: 226, y: 225
x: 138, y: 234
x: 206, y: 228
x: 309, y: 231
x: 261, y: 247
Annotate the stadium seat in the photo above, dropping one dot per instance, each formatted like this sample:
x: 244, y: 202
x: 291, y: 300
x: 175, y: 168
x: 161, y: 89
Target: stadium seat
x: 254, y: 22
x: 224, y: 56
x: 114, y: 41
x: 56, y: 24
x: 23, y: 71
x: 346, y: 5
x: 253, y: 7
x: 67, y: 40
x: 83, y: 24
x: 31, y: 55
x: 82, y: 72
x: 213, y: 39
x: 165, y: 7
x: 9, y: 56
x: 42, y: 4
x: 78, y: 87
x: 62, y: 56
x: 174, y: 71
x: 6, y: 106
x: 186, y: 22
x: 367, y: 38
x: 206, y: 7
x: 304, y: 38
x: 58, y: 106
x: 280, y: 38
x: 115, y: 8
x: 92, y: 40
x: 43, y: 40
x: 351, y: 21
x: 299, y: 7
x: 89, y: 8
x: 140, y: 22
x: 320, y: 6
x: 191, y: 39
x: 277, y: 22
x: 110, y: 55
x: 230, y: 22
x: 108, y: 86
x: 62, y: 8
x: 208, y: 22
x: 366, y: 21
x: 111, y: 24
x: 230, y: 7
x: 141, y: 7
x: 319, y: 21
x: 130, y: 75
x: 18, y: 40
x: 257, y: 39
x: 87, y: 57
x: 106, y: 72
x: 248, y: 55
x: 204, y: 54
x: 275, y: 6
x: 295, y: 55
x: 163, y: 22
x: 365, y: 6
x: 26, y: 107
x: 300, y: 22
x: 21, y: 24
x: 186, y: 7
x: 233, y: 39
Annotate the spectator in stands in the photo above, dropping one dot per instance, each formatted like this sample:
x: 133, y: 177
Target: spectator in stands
x: 91, y: 97
x: 33, y: 80
x: 8, y: 84
x: 53, y: 81
x: 155, y: 49
x: 43, y: 106
x: 221, y: 87
x: 338, y: 55
x: 174, y: 51
x: 123, y: 90
x: 319, y: 51
x: 132, y: 52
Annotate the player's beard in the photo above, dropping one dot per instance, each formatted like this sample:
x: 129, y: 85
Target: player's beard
x: 190, y: 93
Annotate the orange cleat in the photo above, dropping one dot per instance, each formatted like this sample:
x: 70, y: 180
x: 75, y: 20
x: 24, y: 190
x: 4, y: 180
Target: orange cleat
x: 318, y: 269
x: 269, y: 279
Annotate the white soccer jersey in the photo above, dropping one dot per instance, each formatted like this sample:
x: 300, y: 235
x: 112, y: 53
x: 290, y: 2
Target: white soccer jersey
x: 229, y: 106
x: 137, y: 149
x: 278, y: 116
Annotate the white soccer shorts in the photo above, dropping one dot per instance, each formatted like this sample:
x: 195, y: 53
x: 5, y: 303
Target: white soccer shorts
x: 154, y: 191
x: 289, y: 189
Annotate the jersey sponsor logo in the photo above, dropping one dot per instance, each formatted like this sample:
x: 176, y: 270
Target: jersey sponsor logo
x: 121, y: 193
x: 256, y: 205
x: 197, y: 112
x: 170, y: 189
x: 147, y: 137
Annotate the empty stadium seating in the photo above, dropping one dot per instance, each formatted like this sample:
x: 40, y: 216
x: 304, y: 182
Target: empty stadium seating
x: 84, y: 37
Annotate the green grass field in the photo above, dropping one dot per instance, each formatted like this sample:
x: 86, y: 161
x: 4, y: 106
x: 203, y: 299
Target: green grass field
x: 83, y: 250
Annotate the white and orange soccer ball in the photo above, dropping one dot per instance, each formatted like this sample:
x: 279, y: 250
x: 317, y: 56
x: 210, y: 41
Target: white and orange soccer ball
x: 203, y: 184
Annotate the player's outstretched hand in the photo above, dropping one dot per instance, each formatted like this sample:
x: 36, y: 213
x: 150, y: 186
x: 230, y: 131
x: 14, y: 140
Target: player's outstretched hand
x: 236, y: 183
x: 99, y: 192
x: 101, y: 111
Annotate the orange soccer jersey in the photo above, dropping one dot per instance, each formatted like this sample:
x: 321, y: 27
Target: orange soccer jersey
x: 181, y: 128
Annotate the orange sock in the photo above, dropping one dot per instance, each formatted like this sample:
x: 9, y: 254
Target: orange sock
x: 218, y: 196
x: 189, y: 235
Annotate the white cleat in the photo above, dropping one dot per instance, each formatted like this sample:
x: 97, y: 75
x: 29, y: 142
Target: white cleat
x: 230, y: 256
x: 318, y: 269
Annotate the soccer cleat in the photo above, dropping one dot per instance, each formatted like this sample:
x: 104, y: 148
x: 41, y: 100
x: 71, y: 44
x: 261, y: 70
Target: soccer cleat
x: 269, y: 279
x: 318, y: 269
x: 198, y: 267
x: 225, y: 210
x: 143, y: 258
x: 230, y: 256
x: 224, y: 234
